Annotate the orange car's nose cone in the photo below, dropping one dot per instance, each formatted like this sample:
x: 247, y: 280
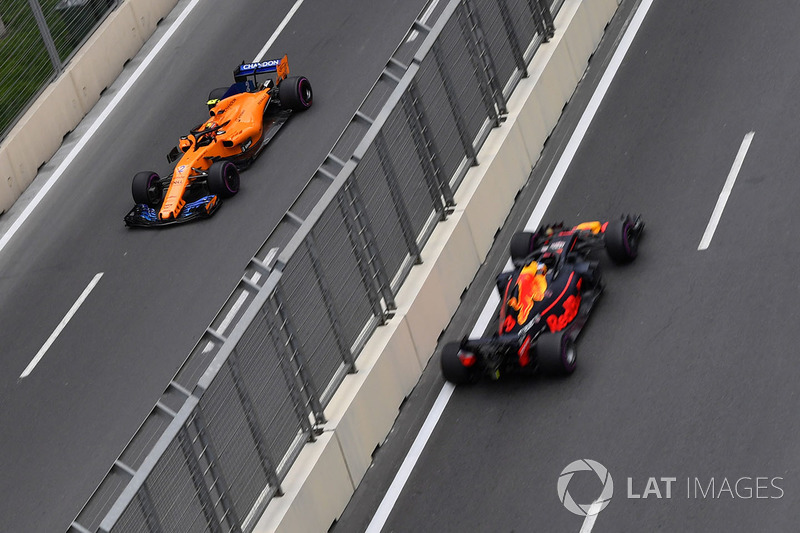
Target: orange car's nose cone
x: 174, y: 202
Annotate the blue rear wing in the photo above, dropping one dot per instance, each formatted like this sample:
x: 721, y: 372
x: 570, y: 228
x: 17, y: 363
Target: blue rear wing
x: 245, y: 70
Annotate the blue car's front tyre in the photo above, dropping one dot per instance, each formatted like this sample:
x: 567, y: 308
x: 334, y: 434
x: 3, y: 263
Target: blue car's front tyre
x: 622, y: 240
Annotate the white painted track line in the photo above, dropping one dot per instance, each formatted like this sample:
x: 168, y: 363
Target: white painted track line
x: 591, y: 516
x: 278, y: 30
x: 399, y: 481
x: 59, y: 171
x: 61, y: 325
x: 726, y: 192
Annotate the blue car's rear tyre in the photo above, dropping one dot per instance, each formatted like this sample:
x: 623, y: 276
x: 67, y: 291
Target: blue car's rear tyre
x: 146, y: 188
x: 453, y: 368
x: 223, y: 179
x: 556, y: 354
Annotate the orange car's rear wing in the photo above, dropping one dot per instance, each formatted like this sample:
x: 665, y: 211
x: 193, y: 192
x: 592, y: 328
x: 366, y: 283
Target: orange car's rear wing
x: 279, y: 66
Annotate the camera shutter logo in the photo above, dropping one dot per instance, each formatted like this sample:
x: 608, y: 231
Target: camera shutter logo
x: 582, y: 465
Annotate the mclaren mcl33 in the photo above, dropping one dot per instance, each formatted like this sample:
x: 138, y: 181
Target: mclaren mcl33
x: 243, y: 119
x: 546, y: 300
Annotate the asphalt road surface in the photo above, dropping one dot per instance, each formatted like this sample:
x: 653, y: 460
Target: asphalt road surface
x: 686, y: 389
x: 65, y: 423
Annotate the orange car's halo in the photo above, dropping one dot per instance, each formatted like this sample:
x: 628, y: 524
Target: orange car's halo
x: 236, y: 123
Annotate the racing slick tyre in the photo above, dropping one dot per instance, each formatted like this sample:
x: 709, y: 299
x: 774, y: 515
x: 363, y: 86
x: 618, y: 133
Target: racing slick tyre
x: 215, y: 96
x: 622, y: 242
x: 520, y: 246
x: 556, y: 354
x: 453, y: 368
x: 146, y: 188
x: 295, y: 93
x: 223, y: 179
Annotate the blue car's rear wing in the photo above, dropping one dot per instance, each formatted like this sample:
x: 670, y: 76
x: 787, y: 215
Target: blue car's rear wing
x: 279, y: 66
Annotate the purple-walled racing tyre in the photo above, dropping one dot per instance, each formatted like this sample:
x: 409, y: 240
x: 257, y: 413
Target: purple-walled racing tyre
x: 146, y: 188
x: 223, y: 179
x: 622, y: 241
x: 295, y: 93
x: 556, y: 354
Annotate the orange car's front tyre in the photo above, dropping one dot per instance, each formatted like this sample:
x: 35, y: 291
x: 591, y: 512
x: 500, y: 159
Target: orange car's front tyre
x: 223, y: 179
x: 146, y: 188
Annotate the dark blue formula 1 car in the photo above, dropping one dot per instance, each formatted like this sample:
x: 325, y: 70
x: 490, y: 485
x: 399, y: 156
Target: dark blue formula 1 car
x: 546, y: 300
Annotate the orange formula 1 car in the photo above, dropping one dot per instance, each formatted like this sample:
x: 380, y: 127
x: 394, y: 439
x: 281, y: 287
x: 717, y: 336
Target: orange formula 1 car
x: 244, y: 118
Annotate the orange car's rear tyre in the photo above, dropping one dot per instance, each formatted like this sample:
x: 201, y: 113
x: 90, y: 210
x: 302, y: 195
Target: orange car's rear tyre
x: 223, y: 179
x: 295, y: 93
x: 146, y: 188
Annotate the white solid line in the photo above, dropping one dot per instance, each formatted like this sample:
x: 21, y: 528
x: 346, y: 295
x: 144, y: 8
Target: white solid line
x: 61, y: 325
x: 95, y: 126
x: 726, y: 192
x: 278, y: 30
x: 410, y: 461
x: 591, y: 516
x: 588, y: 116
x: 399, y: 481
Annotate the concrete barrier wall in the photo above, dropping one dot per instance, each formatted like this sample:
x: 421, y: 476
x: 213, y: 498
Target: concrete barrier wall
x: 64, y: 103
x: 362, y: 412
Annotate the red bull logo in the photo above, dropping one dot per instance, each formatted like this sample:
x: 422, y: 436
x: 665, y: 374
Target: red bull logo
x: 531, y: 285
x: 571, y: 306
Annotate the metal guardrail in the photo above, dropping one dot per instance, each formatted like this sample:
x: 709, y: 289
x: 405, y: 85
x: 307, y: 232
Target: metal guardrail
x: 229, y: 426
x: 37, y: 39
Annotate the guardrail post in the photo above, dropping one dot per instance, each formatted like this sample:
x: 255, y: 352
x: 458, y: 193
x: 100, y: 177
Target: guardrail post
x: 201, y: 489
x: 290, y: 373
x: 253, y: 424
x: 47, y: 38
x: 145, y: 500
x: 362, y: 261
x: 297, y: 358
x: 513, y: 38
x: 427, y: 152
x: 375, y: 260
x: 478, y: 40
x: 452, y: 98
x: 397, y: 198
x: 330, y: 304
x: 543, y: 18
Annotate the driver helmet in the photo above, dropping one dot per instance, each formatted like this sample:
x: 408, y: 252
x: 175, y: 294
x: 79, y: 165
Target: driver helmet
x: 206, y: 138
x: 548, y: 260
